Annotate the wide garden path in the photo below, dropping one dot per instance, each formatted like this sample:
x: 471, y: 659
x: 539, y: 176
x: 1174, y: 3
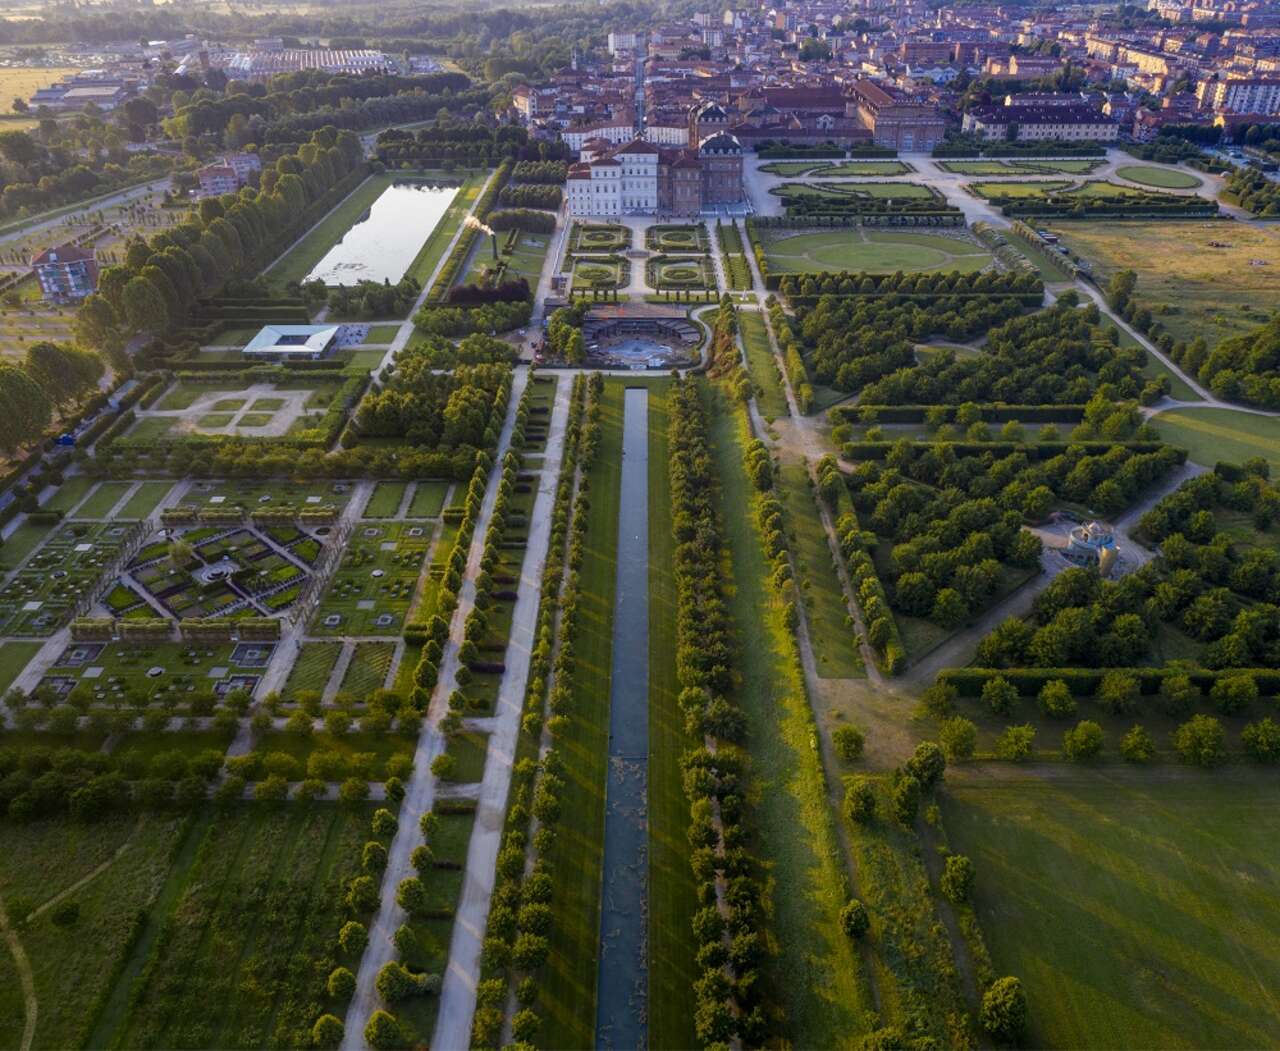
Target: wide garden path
x: 420, y: 789
x: 458, y: 992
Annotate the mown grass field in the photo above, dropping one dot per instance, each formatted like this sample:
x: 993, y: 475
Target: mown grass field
x: 815, y: 977
x: 875, y: 251
x: 1136, y: 915
x: 762, y: 365
x: 832, y: 638
x: 23, y: 81
x: 1194, y: 288
x: 568, y: 995
x: 672, y: 890
x: 1210, y: 435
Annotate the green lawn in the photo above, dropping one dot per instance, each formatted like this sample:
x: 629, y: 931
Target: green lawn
x: 368, y: 669
x: 149, y: 428
x: 245, y: 952
x: 381, y: 333
x: 428, y: 499
x: 214, y: 420
x: 1135, y: 915
x: 14, y: 657
x: 1210, y: 435
x: 832, y: 637
x: 147, y: 746
x: 74, y: 966
x: 70, y: 493
x: 672, y: 889
x: 568, y: 994
x: 876, y: 251
x: 386, y: 499
x: 311, y: 669
x: 469, y: 751
x: 816, y: 976
x: 762, y: 365
x: 22, y: 541
x: 1161, y: 178
x: 104, y: 498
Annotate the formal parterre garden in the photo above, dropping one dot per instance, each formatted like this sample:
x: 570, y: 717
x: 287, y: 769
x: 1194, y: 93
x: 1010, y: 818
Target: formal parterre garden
x: 598, y: 238
x: 374, y: 585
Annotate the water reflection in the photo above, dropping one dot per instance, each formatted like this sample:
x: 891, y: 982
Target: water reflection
x: 386, y: 239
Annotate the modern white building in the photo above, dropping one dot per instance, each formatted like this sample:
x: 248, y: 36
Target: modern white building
x: 292, y: 342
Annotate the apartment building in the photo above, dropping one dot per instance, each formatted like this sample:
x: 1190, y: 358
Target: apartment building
x: 1252, y: 95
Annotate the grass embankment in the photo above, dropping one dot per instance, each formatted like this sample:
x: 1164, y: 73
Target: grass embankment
x: 762, y: 365
x: 568, y: 995
x: 815, y: 975
x: 672, y: 889
x: 1210, y: 435
x: 1135, y: 915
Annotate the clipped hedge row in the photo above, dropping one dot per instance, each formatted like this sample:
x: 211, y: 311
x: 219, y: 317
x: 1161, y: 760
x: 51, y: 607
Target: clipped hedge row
x: 991, y: 413
x: 1084, y: 682
x: 1033, y: 450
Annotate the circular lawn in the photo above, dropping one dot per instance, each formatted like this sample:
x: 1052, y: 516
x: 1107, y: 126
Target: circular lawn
x: 1161, y: 178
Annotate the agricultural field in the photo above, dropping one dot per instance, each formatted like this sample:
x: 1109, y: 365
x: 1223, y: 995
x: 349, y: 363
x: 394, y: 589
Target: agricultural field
x: 1209, y: 280
x: 871, y: 250
x: 1134, y: 910
x: 24, y: 81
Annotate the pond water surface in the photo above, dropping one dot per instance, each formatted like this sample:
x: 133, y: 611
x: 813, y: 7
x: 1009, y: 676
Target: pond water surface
x: 386, y: 239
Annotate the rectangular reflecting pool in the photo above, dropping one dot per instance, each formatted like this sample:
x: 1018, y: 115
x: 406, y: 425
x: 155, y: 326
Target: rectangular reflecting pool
x: 386, y: 239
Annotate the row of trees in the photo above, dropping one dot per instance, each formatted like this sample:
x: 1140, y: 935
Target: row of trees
x: 50, y: 377
x: 517, y: 939
x: 726, y: 926
x: 1252, y: 190
x: 160, y: 280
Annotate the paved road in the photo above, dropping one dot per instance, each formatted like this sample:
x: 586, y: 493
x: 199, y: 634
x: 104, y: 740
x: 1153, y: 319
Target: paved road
x: 420, y: 790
